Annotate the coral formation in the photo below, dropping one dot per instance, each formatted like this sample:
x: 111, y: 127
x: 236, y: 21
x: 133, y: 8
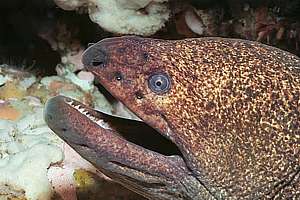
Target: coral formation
x: 34, y: 163
x: 124, y: 16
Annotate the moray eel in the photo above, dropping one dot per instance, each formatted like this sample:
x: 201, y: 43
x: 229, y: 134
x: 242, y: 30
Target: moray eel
x: 230, y: 106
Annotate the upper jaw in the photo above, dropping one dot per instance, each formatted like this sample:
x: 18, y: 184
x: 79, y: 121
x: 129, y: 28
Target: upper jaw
x: 144, y: 171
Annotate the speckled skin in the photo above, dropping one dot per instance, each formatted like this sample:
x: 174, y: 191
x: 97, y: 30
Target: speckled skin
x: 232, y: 109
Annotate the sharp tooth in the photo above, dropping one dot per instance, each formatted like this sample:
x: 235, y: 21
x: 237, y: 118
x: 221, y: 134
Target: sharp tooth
x: 91, y: 117
x: 81, y: 110
x: 100, y: 122
x: 94, y: 118
x: 77, y: 107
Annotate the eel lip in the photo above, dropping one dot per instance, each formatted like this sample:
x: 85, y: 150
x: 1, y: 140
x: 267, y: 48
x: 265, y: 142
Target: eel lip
x: 98, y: 137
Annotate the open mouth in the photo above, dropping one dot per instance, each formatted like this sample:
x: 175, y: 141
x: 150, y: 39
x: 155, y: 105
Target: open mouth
x: 80, y: 125
x: 133, y: 131
x: 129, y: 151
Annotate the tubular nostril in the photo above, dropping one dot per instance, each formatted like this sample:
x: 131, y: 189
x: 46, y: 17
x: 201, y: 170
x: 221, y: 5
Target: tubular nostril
x: 94, y: 56
x: 98, y: 58
x: 96, y: 63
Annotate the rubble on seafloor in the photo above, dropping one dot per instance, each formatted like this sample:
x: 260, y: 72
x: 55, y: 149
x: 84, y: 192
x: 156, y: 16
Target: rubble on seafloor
x: 34, y: 162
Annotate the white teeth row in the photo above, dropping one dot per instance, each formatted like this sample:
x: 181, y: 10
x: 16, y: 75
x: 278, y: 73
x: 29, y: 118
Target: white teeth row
x: 100, y: 122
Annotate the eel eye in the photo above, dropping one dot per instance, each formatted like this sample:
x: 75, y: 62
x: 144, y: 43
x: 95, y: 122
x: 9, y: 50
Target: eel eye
x: 159, y: 83
x: 118, y: 76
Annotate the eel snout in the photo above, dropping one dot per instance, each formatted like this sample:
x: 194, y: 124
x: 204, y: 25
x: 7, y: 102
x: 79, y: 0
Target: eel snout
x: 97, y: 54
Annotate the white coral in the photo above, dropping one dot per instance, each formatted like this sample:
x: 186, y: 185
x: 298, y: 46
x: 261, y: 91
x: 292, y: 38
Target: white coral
x: 70, y: 5
x: 140, y: 17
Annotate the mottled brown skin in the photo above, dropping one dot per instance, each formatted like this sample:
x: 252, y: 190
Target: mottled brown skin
x: 232, y: 108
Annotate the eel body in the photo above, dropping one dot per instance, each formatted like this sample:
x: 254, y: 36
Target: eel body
x: 231, y: 107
